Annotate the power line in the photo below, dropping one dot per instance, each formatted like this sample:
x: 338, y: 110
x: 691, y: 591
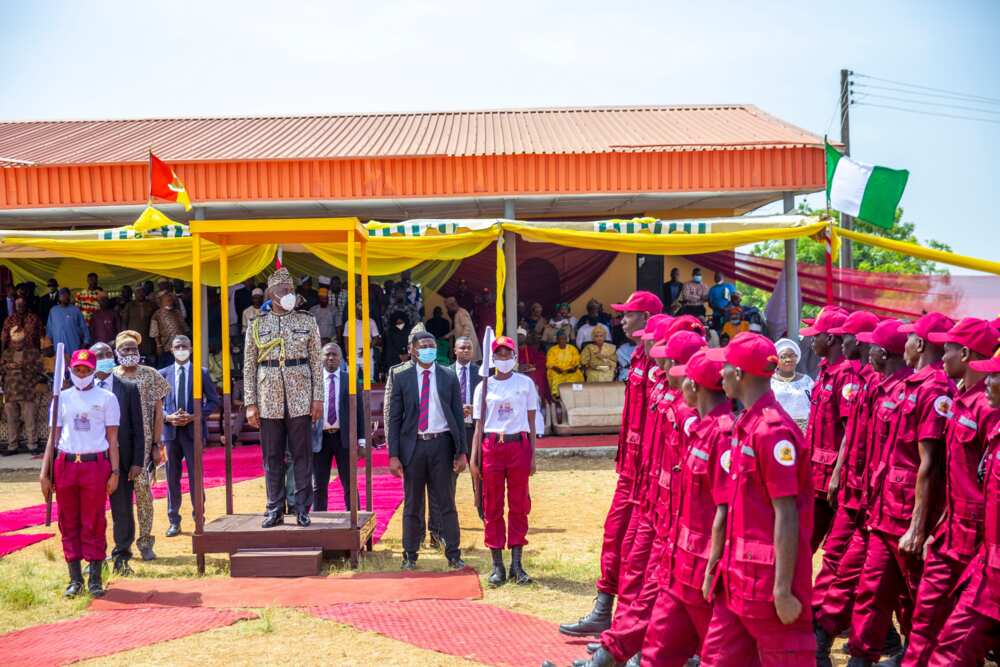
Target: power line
x: 958, y: 98
x: 929, y: 88
x: 928, y: 113
x: 933, y: 104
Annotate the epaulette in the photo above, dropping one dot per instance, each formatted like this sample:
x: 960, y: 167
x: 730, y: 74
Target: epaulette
x: 772, y: 416
x: 726, y: 423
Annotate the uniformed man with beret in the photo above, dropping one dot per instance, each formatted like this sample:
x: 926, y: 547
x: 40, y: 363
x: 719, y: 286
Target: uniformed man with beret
x: 283, y: 380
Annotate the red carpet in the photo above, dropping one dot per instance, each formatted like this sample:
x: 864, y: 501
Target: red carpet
x: 471, y: 630
x: 11, y: 543
x: 379, y: 587
x: 582, y: 441
x: 103, y: 633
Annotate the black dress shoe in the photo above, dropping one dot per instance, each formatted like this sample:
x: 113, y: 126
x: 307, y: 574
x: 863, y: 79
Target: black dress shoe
x: 147, y: 553
x: 302, y: 518
x: 75, y: 579
x: 408, y: 564
x: 94, y: 585
x: 174, y: 530
x: 456, y: 564
x: 122, y: 568
x: 272, y: 519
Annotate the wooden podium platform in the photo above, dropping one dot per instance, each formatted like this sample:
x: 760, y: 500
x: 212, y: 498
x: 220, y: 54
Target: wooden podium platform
x: 330, y: 531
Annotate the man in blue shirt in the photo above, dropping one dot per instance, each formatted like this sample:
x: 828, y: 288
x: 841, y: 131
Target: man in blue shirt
x: 720, y: 298
x: 66, y: 324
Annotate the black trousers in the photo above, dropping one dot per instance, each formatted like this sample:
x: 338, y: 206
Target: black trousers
x: 292, y: 434
x: 181, y: 448
x: 430, y: 470
x: 332, y: 451
x: 433, y: 511
x: 123, y: 517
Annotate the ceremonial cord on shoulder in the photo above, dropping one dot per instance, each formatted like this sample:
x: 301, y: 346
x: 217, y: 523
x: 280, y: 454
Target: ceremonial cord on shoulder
x: 264, y: 349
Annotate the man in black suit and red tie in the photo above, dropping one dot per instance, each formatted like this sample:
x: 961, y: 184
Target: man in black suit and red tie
x: 427, y: 446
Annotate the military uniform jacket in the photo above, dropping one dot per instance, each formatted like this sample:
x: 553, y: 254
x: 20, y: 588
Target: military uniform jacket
x: 291, y: 343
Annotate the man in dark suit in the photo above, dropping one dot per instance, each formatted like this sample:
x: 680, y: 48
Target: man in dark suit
x: 178, y: 427
x: 131, y: 453
x: 467, y: 371
x: 46, y: 301
x: 331, y: 434
x: 427, y: 446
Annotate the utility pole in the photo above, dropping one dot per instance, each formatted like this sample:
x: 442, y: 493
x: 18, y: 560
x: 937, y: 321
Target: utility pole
x: 846, y: 221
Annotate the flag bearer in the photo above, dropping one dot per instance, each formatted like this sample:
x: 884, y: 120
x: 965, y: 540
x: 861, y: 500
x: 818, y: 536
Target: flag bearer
x: 680, y: 616
x: 955, y: 541
x: 759, y: 573
x: 504, y: 455
x: 83, y: 450
x: 906, y: 482
x: 639, y: 308
x: 974, y: 624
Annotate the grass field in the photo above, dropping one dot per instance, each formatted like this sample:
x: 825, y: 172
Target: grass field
x: 570, y: 497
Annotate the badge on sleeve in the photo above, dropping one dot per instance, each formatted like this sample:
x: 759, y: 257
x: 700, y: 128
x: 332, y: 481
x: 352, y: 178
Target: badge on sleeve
x: 784, y: 453
x: 688, y: 423
x: 942, y: 405
x: 849, y: 390
x: 726, y: 460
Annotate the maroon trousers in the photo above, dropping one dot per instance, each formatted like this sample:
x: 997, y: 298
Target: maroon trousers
x: 506, y: 466
x: 615, y: 526
x: 934, y: 605
x: 675, y: 631
x: 967, y: 634
x: 822, y: 518
x: 838, y: 539
x: 637, y: 592
x: 889, y: 580
x: 732, y: 641
x: 833, y: 611
x: 81, y: 492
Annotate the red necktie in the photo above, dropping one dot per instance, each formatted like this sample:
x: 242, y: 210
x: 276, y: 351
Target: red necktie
x: 425, y: 402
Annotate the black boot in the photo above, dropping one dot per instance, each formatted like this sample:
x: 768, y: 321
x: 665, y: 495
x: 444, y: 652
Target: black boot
x: 94, y: 586
x: 517, y: 573
x: 75, y: 579
x: 894, y: 659
x: 499, y: 575
x: 859, y: 662
x: 594, y: 623
x: 602, y: 658
x: 592, y: 647
x: 272, y: 519
x: 824, y: 642
x: 894, y: 648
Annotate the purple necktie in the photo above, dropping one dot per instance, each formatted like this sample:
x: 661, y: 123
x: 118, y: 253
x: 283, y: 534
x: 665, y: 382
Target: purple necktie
x: 465, y: 382
x: 425, y: 403
x: 331, y: 403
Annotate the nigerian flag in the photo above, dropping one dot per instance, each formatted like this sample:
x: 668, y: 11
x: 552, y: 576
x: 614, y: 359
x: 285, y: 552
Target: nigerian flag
x: 867, y: 192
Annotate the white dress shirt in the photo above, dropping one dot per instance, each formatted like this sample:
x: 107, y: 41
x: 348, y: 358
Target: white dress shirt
x: 465, y: 368
x: 436, y: 422
x: 331, y: 382
x: 107, y: 384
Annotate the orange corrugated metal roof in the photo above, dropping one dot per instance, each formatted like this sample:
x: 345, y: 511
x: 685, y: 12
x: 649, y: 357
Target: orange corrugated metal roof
x: 385, y: 135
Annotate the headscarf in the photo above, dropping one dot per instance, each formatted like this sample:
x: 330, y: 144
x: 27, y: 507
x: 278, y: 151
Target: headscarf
x: 788, y: 344
x: 128, y: 335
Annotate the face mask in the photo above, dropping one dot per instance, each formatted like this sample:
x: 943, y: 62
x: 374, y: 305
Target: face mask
x: 288, y: 302
x: 400, y: 325
x: 505, y: 365
x: 129, y: 360
x: 82, y: 382
x: 697, y: 279
x: 427, y: 355
x: 108, y: 365
x: 182, y: 355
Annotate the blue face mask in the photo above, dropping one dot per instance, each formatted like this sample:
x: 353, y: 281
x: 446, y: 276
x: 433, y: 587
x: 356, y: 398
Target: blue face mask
x: 427, y: 355
x: 697, y: 279
x: 105, y: 365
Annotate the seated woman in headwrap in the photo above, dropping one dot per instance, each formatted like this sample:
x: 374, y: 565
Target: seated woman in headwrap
x: 562, y: 363
x: 599, y: 358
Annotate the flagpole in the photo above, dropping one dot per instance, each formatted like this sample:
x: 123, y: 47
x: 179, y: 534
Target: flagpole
x: 149, y: 178
x: 846, y: 221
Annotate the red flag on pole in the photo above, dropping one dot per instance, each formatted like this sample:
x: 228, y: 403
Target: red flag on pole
x: 163, y: 183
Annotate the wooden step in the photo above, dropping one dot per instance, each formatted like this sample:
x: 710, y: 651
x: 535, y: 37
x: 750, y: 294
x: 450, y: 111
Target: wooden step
x: 304, y: 562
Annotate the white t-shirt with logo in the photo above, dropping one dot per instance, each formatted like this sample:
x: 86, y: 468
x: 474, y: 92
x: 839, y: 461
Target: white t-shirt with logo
x: 84, y: 417
x: 507, y: 404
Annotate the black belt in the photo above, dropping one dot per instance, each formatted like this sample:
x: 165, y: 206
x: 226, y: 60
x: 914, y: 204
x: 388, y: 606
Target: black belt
x: 431, y: 436
x: 331, y: 430
x: 83, y: 458
x: 272, y: 363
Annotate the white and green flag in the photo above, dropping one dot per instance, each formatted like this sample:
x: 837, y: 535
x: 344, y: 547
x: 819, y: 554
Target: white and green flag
x: 865, y: 191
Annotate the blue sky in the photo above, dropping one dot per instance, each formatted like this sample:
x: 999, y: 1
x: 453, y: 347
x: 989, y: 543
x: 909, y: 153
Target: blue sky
x: 130, y: 59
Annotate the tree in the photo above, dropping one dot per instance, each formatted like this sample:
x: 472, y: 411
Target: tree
x: 865, y: 257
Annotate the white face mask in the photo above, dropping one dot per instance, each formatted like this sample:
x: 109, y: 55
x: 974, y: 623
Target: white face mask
x: 182, y: 355
x: 288, y: 302
x: 505, y: 365
x: 82, y: 382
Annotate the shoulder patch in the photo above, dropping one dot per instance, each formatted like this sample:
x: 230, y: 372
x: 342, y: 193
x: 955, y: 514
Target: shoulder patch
x: 849, y: 390
x: 726, y: 423
x: 726, y: 460
x: 650, y: 373
x: 942, y: 405
x: 689, y: 424
x: 784, y: 453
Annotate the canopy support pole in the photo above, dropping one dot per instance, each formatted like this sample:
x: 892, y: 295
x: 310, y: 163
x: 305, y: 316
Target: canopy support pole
x: 198, y: 483
x: 366, y: 358
x: 509, y: 295
x: 352, y: 385
x: 227, y: 383
x: 792, y: 315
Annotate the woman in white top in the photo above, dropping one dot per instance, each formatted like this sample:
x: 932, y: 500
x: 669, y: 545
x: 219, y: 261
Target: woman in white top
x: 84, y: 450
x: 503, y: 456
x: 792, y: 389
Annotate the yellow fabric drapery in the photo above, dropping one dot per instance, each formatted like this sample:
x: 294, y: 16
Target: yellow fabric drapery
x: 663, y: 244
x: 71, y: 272
x: 951, y: 258
x: 169, y: 257
x: 430, y: 274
